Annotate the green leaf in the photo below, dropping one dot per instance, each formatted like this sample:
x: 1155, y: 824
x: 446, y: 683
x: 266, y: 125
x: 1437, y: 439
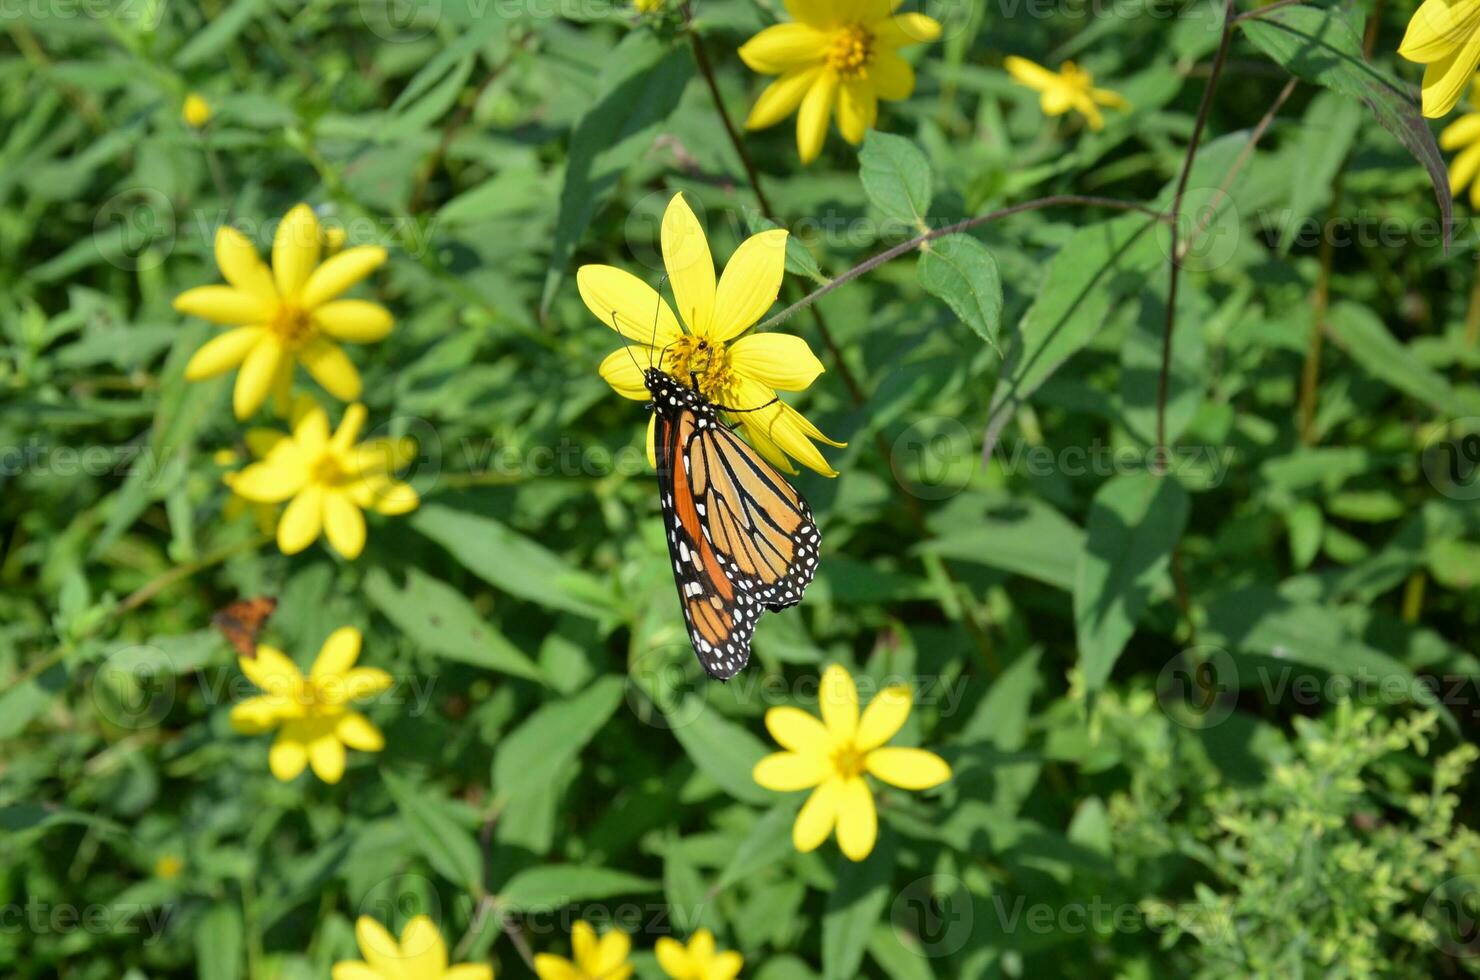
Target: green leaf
x: 512, y: 562
x: 895, y: 176
x: 552, y: 886
x: 643, y: 82
x: 886, y: 947
x: 437, y: 618
x: 1319, y: 45
x: 720, y: 749
x: 1363, y: 335
x: 767, y: 844
x: 683, y: 888
x: 1134, y: 522
x: 220, y: 946
x: 448, y: 846
x: 1021, y: 535
x: 219, y: 33
x: 961, y: 271
x: 853, y: 908
x: 551, y: 737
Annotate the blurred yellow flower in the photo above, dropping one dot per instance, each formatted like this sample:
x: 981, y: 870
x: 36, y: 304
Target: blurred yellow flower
x: 834, y: 55
x: 420, y: 955
x: 594, y: 959
x: 312, y: 715
x: 263, y: 515
x: 168, y: 867
x: 743, y: 374
x: 833, y: 755
x: 1464, y: 135
x: 699, y: 960
x: 328, y: 481
x: 1071, y: 88
x: 1444, y: 37
x: 334, y: 238
x: 288, y: 314
x: 648, y: 6
x: 196, y: 111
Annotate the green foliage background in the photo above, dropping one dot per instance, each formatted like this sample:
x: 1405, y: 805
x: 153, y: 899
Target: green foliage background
x: 1161, y: 764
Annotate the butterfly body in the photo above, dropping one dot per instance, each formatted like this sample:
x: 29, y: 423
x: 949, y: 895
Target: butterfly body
x: 241, y: 621
x: 741, y: 538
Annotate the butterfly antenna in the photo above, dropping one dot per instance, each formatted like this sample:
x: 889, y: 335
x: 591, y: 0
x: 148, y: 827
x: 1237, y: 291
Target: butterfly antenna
x: 657, y: 312
x: 626, y: 345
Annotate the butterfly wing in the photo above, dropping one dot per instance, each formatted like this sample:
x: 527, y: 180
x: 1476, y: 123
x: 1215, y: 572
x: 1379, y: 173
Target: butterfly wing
x: 741, y: 538
x: 241, y: 621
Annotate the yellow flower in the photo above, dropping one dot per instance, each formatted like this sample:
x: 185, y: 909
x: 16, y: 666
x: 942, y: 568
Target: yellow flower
x: 744, y: 374
x: 839, y: 54
x: 334, y: 238
x: 288, y: 314
x: 329, y: 481
x: 648, y: 6
x: 196, y: 111
x: 168, y: 867
x: 1444, y: 37
x: 698, y: 961
x: 312, y: 714
x: 833, y: 755
x: 595, y: 959
x: 420, y: 955
x: 263, y: 515
x: 1464, y: 135
x: 1072, y: 88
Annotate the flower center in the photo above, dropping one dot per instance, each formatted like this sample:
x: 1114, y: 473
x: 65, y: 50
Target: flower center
x: 293, y: 325
x: 850, y: 50
x: 702, y: 360
x: 328, y: 472
x: 848, y: 761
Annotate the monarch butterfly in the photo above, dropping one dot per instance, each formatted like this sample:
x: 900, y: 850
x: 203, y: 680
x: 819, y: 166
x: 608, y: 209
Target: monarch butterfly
x: 741, y: 538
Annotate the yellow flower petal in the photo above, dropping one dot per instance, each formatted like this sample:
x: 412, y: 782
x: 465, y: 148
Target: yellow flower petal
x: 794, y: 729
x: 904, y: 29
x: 817, y: 817
x: 349, y: 430
x: 222, y: 353
x: 1438, y: 28
x: 255, y: 377
x: 379, y: 947
x: 1028, y: 73
x: 787, y: 772
x: 353, y: 320
x: 583, y: 943
x: 908, y: 768
x: 344, y: 524
x: 725, y: 966
x: 785, y: 47
x: 359, y: 732
x: 287, y: 757
x: 310, y: 427
x: 618, y: 298
x: 257, y: 715
x: 262, y: 442
x: 818, y: 13
x: 271, y: 481
x: 1108, y: 98
x: 272, y: 671
x: 858, y: 822
x: 340, y: 273
x: 364, y: 682
x: 611, y: 954
x: 838, y: 699
x: 1463, y: 169
x: 750, y: 284
x: 549, y: 967
x: 891, y: 76
x: 858, y: 110
x: 776, y: 360
x: 328, y: 364
x: 423, y: 950
x: 387, y: 497
x: 622, y: 369
x: 337, y: 655
x: 1462, y: 132
x: 302, y: 520
x: 673, y: 958
x: 689, y: 264
x: 469, y: 971
x: 326, y: 756
x: 781, y: 98
x: 238, y: 261
x: 812, y: 117
x: 224, y: 304
x: 354, y: 970
x: 295, y: 250
x: 884, y: 717
x: 1444, y: 80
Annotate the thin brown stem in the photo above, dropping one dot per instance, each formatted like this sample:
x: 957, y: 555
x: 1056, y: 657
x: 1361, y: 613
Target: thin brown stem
x: 888, y: 255
x: 1163, y: 380
x: 1262, y: 11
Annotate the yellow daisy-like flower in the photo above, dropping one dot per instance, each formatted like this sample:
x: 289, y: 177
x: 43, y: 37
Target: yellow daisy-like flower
x: 595, y: 959
x: 420, y: 955
x: 1464, y: 135
x: 169, y: 867
x: 328, y: 481
x: 286, y: 315
x: 196, y: 111
x: 699, y: 960
x: 1444, y: 37
x: 312, y: 715
x: 833, y: 755
x: 1070, y: 88
x: 841, y: 54
x: 739, y: 373
x: 263, y: 515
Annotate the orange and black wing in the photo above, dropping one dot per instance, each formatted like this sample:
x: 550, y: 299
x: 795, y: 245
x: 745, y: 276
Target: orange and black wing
x: 241, y: 621
x: 741, y: 538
